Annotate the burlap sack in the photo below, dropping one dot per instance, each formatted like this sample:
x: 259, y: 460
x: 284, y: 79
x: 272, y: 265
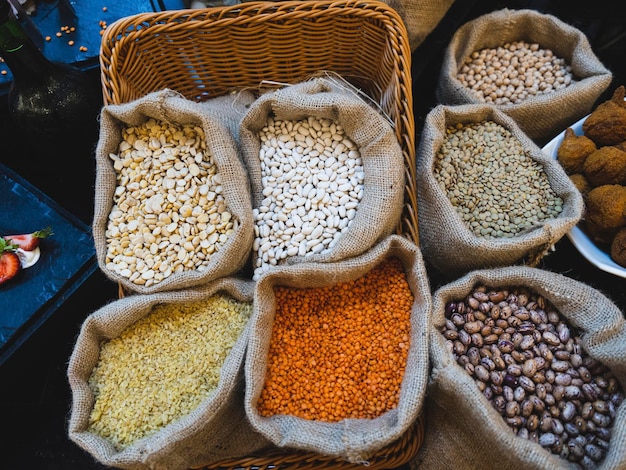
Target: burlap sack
x: 380, y: 208
x: 445, y: 240
x: 463, y: 429
x: 541, y: 116
x: 354, y: 440
x: 218, y: 118
x: 216, y: 430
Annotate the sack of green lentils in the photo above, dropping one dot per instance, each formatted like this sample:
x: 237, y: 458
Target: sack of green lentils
x: 488, y: 196
x: 528, y: 372
x: 326, y: 170
x: 172, y: 199
x: 157, y: 379
x: 337, y: 359
x: 537, y: 69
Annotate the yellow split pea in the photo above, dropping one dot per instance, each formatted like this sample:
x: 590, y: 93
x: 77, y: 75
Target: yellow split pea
x: 163, y: 366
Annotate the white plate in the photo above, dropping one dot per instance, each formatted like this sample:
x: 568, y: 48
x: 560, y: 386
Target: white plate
x: 579, y: 239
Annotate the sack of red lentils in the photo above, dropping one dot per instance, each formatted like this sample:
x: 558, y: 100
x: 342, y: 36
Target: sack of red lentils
x: 157, y: 379
x: 488, y: 196
x: 172, y: 200
x: 326, y: 170
x: 337, y: 359
x: 536, y: 68
x: 528, y: 372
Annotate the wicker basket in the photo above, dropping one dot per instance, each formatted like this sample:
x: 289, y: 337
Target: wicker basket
x: 204, y: 53
x: 214, y: 51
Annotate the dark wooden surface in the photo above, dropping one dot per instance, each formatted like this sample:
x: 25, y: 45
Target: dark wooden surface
x: 34, y: 395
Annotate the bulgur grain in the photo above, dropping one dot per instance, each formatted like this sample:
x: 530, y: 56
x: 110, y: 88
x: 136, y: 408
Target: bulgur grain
x: 339, y: 351
x: 163, y: 366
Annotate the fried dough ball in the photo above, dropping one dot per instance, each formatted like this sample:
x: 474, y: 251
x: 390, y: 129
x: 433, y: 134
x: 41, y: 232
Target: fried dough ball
x: 606, y: 125
x: 606, y: 206
x: 581, y: 183
x: 607, y: 165
x: 621, y: 146
x: 601, y: 235
x: 618, y: 247
x: 574, y: 150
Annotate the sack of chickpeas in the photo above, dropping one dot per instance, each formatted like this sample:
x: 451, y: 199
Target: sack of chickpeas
x: 488, y: 195
x: 528, y: 372
x: 337, y: 359
x: 172, y: 199
x: 536, y: 68
x: 326, y: 170
x: 157, y: 379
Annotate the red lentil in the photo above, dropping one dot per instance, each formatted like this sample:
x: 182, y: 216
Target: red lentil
x: 339, y: 351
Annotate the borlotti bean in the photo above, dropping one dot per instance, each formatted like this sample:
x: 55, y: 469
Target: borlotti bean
x: 528, y: 372
x: 537, y: 69
x: 157, y: 379
x: 173, y: 207
x: 310, y: 411
x: 488, y: 196
x: 325, y: 185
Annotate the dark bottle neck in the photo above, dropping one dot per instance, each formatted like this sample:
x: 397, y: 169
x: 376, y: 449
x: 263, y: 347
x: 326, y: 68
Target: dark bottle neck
x: 18, y: 51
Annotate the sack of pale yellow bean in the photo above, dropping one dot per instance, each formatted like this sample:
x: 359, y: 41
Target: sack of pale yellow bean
x: 537, y: 69
x: 157, y: 379
x: 488, y: 196
x: 172, y: 200
x: 326, y: 170
x: 528, y: 372
x: 337, y: 358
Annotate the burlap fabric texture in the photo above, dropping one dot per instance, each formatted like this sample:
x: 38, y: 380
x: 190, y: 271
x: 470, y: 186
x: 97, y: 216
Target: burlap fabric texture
x: 219, y: 119
x: 541, y: 116
x: 216, y: 430
x: 353, y: 440
x: 463, y: 429
x: 379, y: 211
x: 446, y: 241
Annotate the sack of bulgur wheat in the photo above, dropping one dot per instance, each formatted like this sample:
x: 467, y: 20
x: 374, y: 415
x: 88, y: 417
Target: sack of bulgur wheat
x: 500, y: 58
x: 326, y: 171
x: 546, y: 391
x: 337, y: 359
x: 172, y: 199
x: 157, y: 379
x: 488, y: 196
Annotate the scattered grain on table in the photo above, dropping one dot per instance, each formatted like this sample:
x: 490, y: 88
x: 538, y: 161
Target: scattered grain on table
x: 163, y: 366
x: 339, y: 351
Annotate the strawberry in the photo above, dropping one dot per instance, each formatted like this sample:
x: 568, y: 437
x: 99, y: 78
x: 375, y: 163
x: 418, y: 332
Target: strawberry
x: 29, y: 241
x: 10, y: 263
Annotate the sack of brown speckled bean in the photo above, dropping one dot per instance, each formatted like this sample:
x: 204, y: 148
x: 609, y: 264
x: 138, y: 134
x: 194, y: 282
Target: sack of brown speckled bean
x: 528, y: 372
x: 496, y: 57
x: 488, y: 196
x: 326, y: 170
x: 157, y: 379
x: 172, y: 200
x: 337, y: 359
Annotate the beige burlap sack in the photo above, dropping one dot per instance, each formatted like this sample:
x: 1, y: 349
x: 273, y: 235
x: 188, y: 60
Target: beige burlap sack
x: 165, y: 225
x: 464, y: 430
x: 217, y: 429
x: 353, y: 440
x: 540, y: 116
x: 445, y: 238
x: 323, y: 164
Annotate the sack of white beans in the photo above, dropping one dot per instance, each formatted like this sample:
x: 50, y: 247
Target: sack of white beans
x: 488, y: 195
x: 172, y: 201
x: 536, y: 68
x: 337, y: 359
x: 326, y: 170
x: 528, y: 372
x: 157, y: 379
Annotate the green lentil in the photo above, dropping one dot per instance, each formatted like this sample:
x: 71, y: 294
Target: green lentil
x: 163, y: 366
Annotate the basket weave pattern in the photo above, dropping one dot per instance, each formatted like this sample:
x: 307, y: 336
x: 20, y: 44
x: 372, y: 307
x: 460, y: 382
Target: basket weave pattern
x: 206, y: 53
